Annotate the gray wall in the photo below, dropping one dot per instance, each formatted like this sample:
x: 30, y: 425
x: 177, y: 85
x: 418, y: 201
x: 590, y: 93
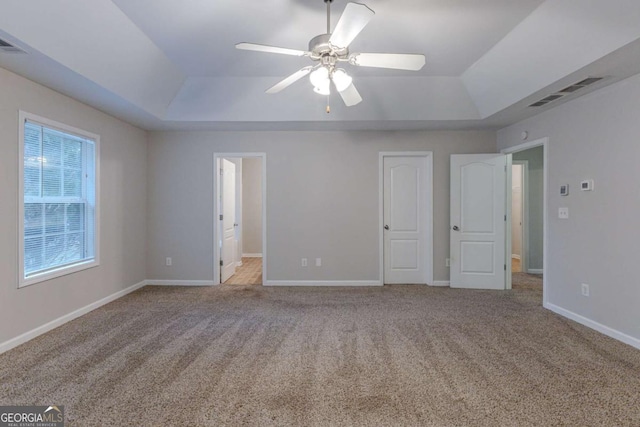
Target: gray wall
x: 123, y: 209
x: 593, y: 137
x: 252, y: 202
x: 322, y: 198
x: 535, y: 201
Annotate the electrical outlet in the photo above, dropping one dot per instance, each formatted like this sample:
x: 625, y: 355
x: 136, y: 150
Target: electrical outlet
x: 563, y: 213
x: 305, y: 262
x: 447, y: 262
x: 168, y: 262
x: 318, y: 262
x: 585, y: 290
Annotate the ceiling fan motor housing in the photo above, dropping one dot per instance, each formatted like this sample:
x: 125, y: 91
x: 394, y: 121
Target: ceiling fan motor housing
x: 319, y: 47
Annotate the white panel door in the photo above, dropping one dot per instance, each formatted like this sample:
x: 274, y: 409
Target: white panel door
x: 478, y: 205
x: 407, y: 217
x: 228, y: 187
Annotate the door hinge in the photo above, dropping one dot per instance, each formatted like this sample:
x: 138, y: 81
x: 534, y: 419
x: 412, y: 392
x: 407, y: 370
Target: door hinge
x: 505, y: 267
x: 221, y: 263
x: 505, y: 217
x: 220, y: 217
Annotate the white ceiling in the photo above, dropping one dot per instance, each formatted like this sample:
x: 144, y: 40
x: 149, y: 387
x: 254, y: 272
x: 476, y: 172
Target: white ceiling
x: 199, y: 35
x: 163, y: 64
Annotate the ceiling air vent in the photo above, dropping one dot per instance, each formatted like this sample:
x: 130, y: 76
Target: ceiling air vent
x: 6, y: 47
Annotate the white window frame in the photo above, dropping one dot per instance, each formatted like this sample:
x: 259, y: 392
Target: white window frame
x: 69, y: 268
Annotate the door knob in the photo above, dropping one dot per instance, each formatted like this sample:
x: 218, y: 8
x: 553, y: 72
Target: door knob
x: 386, y: 227
x: 455, y: 228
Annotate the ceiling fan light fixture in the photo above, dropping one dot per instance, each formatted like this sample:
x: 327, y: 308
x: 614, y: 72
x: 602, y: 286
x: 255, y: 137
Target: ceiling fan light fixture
x: 320, y: 81
x: 319, y: 76
x: 323, y: 89
x: 341, y: 79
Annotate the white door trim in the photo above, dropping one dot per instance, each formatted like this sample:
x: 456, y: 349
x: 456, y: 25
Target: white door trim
x: 429, y: 157
x: 544, y: 142
x: 216, y: 207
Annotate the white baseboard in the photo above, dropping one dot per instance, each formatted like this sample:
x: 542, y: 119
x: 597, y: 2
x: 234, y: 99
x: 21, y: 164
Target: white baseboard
x: 441, y: 283
x: 21, y: 339
x: 610, y: 332
x: 180, y: 282
x: 251, y: 255
x: 515, y: 256
x: 239, y: 264
x: 322, y: 283
x: 535, y: 270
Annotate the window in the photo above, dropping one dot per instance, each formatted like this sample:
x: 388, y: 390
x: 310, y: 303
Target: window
x: 59, y: 215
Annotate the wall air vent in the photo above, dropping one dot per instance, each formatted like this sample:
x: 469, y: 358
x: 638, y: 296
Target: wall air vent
x: 581, y: 85
x: 538, y: 104
x: 567, y: 91
x: 551, y: 98
x: 6, y: 47
x: 547, y: 100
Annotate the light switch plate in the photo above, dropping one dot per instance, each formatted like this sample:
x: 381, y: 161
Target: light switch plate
x: 563, y: 213
x: 586, y: 185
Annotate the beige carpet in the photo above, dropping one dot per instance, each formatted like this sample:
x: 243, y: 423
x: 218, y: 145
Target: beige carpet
x: 398, y: 355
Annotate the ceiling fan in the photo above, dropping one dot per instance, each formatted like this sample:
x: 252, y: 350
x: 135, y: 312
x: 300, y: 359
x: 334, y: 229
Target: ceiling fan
x: 331, y: 49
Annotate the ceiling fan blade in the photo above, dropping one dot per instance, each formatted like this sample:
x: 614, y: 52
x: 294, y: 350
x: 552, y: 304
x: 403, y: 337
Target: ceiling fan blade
x: 397, y: 61
x: 270, y: 49
x: 350, y: 95
x: 290, y: 80
x: 354, y: 18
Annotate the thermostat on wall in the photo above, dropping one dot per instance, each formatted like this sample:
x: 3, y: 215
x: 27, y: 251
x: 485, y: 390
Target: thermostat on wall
x: 586, y: 185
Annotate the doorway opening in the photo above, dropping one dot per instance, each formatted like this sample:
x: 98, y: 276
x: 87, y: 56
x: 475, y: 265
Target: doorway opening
x: 240, y: 218
x: 519, y: 169
x: 526, y: 200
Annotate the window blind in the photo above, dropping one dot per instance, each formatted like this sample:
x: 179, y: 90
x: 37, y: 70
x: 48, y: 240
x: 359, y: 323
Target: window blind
x: 59, y: 199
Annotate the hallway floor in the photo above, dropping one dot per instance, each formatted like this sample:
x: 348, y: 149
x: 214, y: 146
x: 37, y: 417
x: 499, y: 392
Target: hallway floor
x: 249, y: 274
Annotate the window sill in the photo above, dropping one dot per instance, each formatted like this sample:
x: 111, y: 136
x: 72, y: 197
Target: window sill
x: 63, y: 271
